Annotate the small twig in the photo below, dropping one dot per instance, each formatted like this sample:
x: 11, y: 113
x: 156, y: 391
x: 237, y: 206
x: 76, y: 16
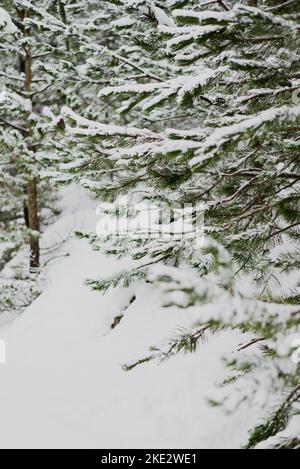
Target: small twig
x: 223, y: 5
x: 169, y: 118
x: 18, y: 24
x: 11, y: 77
x: 208, y: 3
x: 284, y: 4
x: 16, y: 127
x: 268, y: 93
x: 236, y: 194
x: 55, y: 257
x: 285, y: 229
x: 39, y: 91
x: 252, y: 342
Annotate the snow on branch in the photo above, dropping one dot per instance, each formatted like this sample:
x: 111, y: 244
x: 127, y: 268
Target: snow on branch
x: 6, y: 23
x: 86, y: 127
x: 223, y: 136
x: 183, y: 87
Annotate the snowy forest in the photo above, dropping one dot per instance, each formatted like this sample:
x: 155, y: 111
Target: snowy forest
x: 150, y: 224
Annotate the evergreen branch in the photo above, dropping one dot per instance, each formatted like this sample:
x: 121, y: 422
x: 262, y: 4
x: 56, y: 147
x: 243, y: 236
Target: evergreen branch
x: 13, y: 126
x: 282, y: 5
x: 269, y: 93
x: 102, y: 49
x: 252, y: 342
x: 223, y: 5
x: 18, y: 24
x: 185, y: 341
x: 236, y: 194
x: 276, y: 423
x: 248, y: 214
x: 42, y: 90
x: 141, y: 361
x: 287, y: 443
x: 282, y: 230
x: 11, y: 77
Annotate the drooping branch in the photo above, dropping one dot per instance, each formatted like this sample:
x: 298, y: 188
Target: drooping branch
x: 13, y: 126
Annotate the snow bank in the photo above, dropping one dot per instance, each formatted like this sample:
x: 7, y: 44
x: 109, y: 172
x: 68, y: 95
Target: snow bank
x: 63, y: 385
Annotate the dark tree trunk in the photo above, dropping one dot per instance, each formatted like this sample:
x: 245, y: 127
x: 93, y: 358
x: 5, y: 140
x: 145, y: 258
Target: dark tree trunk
x: 33, y: 224
x: 30, y: 206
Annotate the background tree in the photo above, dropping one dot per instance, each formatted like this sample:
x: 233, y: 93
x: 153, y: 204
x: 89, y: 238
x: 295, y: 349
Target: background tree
x: 47, y: 60
x: 44, y: 62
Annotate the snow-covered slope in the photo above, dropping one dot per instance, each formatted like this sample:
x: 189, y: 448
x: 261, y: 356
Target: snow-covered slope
x: 63, y: 385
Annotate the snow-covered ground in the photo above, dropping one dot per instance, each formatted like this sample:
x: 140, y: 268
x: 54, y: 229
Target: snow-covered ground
x: 63, y: 385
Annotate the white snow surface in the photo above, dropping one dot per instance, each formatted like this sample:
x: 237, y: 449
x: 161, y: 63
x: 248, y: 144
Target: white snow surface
x: 6, y: 23
x: 63, y: 385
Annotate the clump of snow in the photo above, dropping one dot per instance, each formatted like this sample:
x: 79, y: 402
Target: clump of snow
x: 92, y: 128
x: 6, y: 23
x: 162, y: 18
x: 216, y: 16
x: 123, y: 22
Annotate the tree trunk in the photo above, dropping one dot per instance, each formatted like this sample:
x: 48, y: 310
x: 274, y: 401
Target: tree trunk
x: 31, y: 213
x: 33, y: 225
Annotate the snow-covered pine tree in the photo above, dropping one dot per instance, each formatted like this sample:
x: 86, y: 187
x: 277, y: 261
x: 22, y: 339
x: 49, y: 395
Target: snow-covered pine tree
x: 10, y: 199
x: 45, y: 62
x: 17, y: 118
x: 22, y: 86
x: 68, y: 46
x: 212, y: 118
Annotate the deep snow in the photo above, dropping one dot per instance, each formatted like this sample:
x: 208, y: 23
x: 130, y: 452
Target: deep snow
x: 63, y: 385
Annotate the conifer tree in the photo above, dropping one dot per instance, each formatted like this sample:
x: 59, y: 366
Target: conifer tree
x: 17, y: 117
x: 44, y: 63
x: 212, y: 117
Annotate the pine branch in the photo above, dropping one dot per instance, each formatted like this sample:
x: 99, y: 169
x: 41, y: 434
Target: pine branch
x: 223, y: 5
x: 13, y: 126
x: 286, y: 228
x: 276, y: 423
x: 252, y: 342
x: 282, y: 5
